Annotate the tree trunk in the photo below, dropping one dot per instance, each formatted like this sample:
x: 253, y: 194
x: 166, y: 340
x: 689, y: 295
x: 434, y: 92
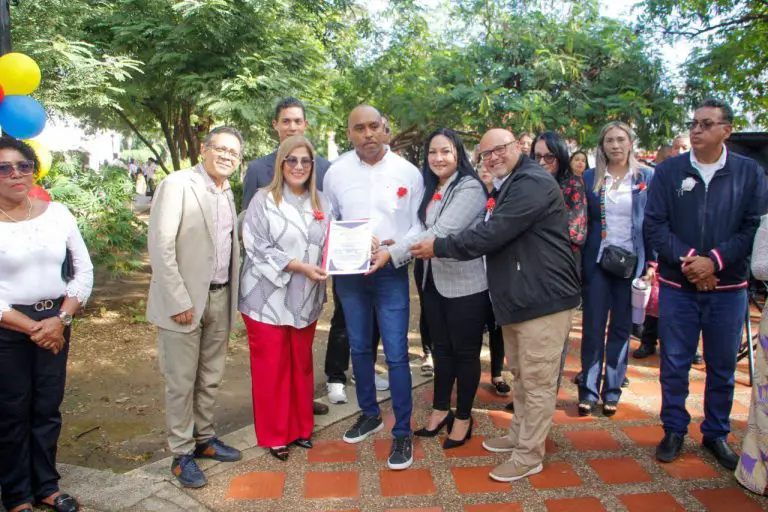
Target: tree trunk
x: 189, y: 136
x: 178, y: 139
x: 141, y: 137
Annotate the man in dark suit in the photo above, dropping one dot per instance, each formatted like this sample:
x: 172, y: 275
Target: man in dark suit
x: 289, y: 120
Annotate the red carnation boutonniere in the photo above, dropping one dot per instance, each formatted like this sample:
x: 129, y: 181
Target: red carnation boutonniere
x: 437, y: 197
x: 641, y: 186
x: 402, y: 192
x: 318, y: 215
x: 490, y: 204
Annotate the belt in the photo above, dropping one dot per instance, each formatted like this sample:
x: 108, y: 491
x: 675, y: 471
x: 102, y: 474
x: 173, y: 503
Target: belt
x: 43, y: 305
x: 217, y: 286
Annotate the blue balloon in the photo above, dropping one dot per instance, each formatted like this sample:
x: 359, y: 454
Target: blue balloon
x: 21, y: 117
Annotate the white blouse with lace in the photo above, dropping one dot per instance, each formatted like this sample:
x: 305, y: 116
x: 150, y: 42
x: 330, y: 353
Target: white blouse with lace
x: 31, y: 256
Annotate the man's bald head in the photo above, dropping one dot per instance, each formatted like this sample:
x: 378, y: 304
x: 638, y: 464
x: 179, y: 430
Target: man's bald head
x: 498, y: 151
x: 365, y: 130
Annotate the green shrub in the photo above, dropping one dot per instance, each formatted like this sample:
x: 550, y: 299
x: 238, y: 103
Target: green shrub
x: 101, y: 202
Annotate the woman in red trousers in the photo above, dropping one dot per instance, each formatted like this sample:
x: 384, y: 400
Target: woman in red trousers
x: 282, y: 291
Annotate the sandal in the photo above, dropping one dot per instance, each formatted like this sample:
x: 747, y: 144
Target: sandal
x: 279, y: 452
x: 62, y: 503
x: 428, y: 367
x: 585, y: 408
x: 610, y: 408
x: 502, y: 388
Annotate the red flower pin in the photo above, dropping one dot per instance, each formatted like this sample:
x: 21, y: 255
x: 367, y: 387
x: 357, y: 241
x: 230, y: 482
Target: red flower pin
x: 402, y: 192
x: 437, y: 197
x: 318, y: 215
x: 490, y: 204
x: 641, y: 186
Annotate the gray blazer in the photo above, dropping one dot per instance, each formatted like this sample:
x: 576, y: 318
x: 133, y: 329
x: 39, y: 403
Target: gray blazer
x: 181, y: 249
x: 261, y: 171
x: 461, y: 208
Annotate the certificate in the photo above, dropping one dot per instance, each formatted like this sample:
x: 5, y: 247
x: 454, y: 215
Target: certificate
x: 348, y: 247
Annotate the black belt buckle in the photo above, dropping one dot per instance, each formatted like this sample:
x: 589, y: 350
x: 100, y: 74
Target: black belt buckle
x: 218, y: 286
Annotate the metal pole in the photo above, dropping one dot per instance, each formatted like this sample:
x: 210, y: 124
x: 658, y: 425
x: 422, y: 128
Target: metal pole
x: 5, y: 27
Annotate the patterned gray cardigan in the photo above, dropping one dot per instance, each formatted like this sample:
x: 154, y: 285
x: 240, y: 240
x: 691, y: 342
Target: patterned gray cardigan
x: 461, y: 208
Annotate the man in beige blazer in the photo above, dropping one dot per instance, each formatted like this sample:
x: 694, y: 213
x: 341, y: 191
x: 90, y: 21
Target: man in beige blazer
x: 194, y: 253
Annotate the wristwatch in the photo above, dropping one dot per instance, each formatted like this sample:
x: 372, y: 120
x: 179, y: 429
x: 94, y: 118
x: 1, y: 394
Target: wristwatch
x: 65, y: 318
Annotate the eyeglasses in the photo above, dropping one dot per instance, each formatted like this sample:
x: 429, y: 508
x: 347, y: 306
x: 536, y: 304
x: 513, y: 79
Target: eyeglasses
x: 24, y: 167
x: 500, y: 150
x: 548, y: 158
x: 292, y: 162
x: 705, y: 124
x: 221, y: 150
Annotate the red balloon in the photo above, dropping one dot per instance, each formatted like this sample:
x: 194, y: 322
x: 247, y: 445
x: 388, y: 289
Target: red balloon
x: 38, y: 192
x: 2, y: 94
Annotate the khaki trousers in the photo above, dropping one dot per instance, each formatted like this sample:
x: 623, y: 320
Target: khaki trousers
x: 193, y: 366
x: 533, y: 351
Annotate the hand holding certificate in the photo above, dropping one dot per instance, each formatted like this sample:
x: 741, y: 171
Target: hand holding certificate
x: 348, y: 249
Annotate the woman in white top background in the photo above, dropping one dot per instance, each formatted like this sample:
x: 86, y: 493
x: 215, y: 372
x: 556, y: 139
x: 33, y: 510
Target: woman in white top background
x: 39, y: 294
x: 282, y: 291
x: 612, y: 256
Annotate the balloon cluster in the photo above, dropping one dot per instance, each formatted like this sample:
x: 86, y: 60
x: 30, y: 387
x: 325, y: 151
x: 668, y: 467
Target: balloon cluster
x: 21, y: 116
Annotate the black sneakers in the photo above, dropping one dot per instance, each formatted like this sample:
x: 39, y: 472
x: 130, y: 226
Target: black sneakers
x: 670, y: 447
x: 364, y: 427
x: 401, y: 454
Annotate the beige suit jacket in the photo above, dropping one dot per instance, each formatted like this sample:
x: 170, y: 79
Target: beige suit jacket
x: 181, y: 251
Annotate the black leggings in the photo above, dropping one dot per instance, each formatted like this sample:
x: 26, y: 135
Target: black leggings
x: 456, y: 326
x: 31, y: 390
x: 496, y: 344
x: 426, y: 340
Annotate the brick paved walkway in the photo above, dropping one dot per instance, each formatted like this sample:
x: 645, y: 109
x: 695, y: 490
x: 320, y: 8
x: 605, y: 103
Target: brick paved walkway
x: 592, y: 464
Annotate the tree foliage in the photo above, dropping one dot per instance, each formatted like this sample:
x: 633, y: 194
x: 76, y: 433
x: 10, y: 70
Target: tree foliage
x: 730, y: 57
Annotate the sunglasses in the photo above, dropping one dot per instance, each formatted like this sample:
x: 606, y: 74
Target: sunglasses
x: 548, y: 158
x: 24, y: 167
x: 292, y: 162
x: 705, y: 124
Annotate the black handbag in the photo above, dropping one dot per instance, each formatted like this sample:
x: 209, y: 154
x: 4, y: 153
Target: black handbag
x: 618, y: 262
x: 68, y: 267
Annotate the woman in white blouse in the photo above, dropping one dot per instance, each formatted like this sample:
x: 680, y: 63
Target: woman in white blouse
x: 613, y: 255
x: 282, y: 291
x: 39, y: 294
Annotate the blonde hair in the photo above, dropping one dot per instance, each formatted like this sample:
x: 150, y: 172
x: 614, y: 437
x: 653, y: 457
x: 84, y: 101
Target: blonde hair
x: 601, y: 159
x: 285, y: 149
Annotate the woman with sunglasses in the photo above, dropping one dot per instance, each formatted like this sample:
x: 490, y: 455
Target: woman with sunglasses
x: 455, y: 293
x: 613, y: 255
x: 282, y: 291
x: 39, y: 295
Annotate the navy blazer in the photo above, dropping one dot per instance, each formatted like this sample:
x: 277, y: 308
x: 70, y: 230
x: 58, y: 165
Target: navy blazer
x: 260, y: 173
x: 594, y: 227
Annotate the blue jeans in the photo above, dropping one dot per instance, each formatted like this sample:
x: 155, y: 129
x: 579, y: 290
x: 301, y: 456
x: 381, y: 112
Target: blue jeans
x: 604, y: 294
x: 719, y: 317
x: 386, y: 294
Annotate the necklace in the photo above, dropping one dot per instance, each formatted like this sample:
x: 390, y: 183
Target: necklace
x: 29, y: 212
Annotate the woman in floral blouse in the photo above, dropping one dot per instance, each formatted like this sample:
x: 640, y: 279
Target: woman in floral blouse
x: 282, y: 291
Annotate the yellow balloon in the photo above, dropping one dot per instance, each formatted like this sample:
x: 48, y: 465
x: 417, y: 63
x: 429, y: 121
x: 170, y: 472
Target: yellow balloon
x: 19, y: 74
x: 44, y: 156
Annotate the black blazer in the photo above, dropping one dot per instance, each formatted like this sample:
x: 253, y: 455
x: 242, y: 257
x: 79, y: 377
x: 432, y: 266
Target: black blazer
x: 530, y: 265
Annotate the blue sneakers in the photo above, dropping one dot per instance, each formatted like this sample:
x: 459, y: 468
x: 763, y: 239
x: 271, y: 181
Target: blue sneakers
x: 187, y: 472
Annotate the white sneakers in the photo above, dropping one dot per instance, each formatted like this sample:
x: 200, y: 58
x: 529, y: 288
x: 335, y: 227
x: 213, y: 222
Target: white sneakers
x: 336, y: 393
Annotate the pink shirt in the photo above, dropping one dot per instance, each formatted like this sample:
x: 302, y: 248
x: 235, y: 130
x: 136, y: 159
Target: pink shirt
x: 223, y: 223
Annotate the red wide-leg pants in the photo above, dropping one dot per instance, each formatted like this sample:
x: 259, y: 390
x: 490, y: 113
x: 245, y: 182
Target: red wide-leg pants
x: 282, y: 381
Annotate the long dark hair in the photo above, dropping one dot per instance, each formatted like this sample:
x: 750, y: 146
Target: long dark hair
x: 557, y: 146
x: 463, y: 168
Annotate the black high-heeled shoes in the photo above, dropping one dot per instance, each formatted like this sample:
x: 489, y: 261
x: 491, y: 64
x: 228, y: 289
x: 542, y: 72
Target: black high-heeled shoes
x: 450, y: 443
x: 279, y: 452
x: 447, y: 421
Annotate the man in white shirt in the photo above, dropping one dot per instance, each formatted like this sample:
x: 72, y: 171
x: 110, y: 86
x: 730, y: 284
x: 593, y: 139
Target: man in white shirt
x: 376, y: 184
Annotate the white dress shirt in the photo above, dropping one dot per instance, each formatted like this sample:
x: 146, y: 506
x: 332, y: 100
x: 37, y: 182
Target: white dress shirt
x: 618, y: 214
x: 223, y: 223
x: 388, y: 193
x: 707, y: 171
x: 31, y: 256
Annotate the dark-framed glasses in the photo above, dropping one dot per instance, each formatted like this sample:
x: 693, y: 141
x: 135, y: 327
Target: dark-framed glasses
x: 24, y: 167
x: 221, y: 150
x: 704, y: 124
x: 548, y: 158
x: 499, y: 150
x: 292, y: 162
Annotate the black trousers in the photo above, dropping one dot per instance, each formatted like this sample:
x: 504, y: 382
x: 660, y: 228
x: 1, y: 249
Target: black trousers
x: 31, y: 390
x: 457, y: 326
x: 337, y: 351
x: 495, y: 343
x: 426, y: 340
x: 650, y: 331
